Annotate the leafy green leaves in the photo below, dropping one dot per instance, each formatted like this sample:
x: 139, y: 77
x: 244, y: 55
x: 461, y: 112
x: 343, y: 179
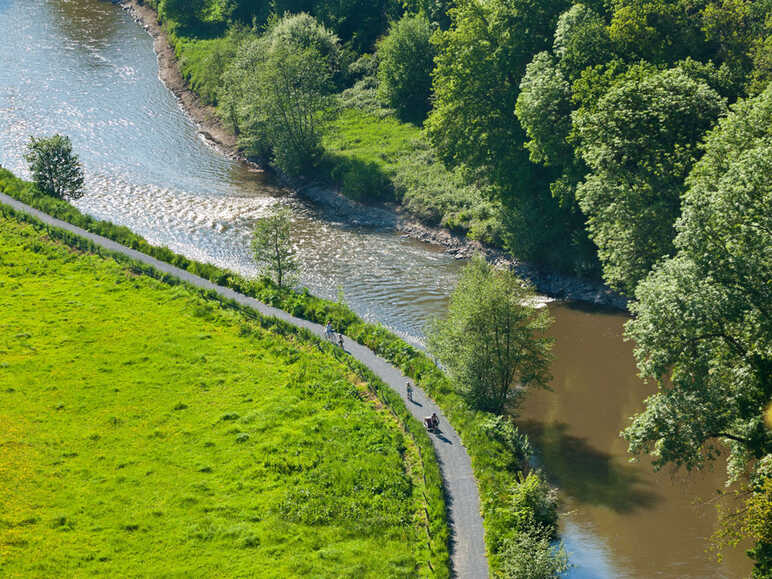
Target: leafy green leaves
x: 639, y: 142
x: 704, y: 316
x: 55, y: 169
x: 493, y: 341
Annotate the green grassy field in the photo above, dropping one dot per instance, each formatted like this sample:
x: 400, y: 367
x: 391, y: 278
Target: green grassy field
x: 148, y: 431
x: 357, y: 135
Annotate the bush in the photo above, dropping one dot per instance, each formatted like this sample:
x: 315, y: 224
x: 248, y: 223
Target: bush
x: 534, y: 504
x: 529, y: 555
x: 362, y: 180
x: 406, y: 58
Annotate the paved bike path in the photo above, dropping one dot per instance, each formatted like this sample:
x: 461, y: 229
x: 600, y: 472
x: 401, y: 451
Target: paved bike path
x: 463, y: 500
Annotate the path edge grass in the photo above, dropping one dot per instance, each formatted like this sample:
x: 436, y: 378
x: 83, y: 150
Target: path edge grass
x: 435, y: 511
x: 491, y: 461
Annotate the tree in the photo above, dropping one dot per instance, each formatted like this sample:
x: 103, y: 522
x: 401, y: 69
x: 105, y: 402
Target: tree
x: 492, y: 341
x: 481, y: 60
x: 581, y: 40
x: 272, y: 245
x: 658, y: 31
x: 406, y: 60
x: 639, y: 141
x: 277, y: 90
x: 703, y: 325
x: 544, y: 109
x: 358, y: 22
x: 435, y: 10
x: 55, y: 169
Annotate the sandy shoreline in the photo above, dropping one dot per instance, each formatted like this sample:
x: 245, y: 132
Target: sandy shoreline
x: 339, y: 207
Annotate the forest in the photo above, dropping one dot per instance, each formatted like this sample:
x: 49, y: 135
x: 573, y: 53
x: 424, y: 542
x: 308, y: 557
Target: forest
x: 623, y: 140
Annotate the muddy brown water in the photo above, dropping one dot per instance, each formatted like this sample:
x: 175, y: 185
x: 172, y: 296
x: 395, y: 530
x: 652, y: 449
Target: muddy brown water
x: 85, y: 69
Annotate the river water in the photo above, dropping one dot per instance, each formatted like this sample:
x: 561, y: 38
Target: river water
x: 85, y: 69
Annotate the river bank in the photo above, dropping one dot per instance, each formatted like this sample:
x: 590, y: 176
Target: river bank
x: 337, y: 207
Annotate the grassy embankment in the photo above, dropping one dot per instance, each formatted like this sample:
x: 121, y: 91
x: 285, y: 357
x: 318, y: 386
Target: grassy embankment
x: 496, y: 470
x: 148, y: 429
x: 370, y: 154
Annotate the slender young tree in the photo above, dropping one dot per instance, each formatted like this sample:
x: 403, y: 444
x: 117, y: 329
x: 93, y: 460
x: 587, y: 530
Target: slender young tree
x: 272, y: 246
x: 55, y: 169
x: 493, y: 341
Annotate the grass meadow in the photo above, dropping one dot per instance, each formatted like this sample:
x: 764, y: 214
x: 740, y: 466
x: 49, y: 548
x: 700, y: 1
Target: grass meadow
x: 146, y: 430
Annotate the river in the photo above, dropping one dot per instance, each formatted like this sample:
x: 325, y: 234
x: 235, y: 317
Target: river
x: 85, y: 69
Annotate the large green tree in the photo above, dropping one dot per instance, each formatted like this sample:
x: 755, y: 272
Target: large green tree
x: 277, y: 90
x: 639, y: 141
x: 703, y: 319
x: 703, y: 325
x: 492, y: 341
x: 481, y: 61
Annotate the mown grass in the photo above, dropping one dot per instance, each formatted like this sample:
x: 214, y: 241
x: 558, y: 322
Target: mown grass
x: 495, y: 469
x: 147, y: 430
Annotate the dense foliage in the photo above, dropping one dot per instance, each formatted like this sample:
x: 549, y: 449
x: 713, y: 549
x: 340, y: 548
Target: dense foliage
x: 277, y: 87
x: 55, y: 169
x: 492, y: 341
x: 617, y: 107
x: 405, y: 63
x: 704, y: 316
x: 639, y: 142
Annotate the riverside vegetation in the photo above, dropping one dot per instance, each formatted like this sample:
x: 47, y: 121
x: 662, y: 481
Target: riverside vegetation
x: 513, y: 503
x: 177, y: 433
x: 579, y: 135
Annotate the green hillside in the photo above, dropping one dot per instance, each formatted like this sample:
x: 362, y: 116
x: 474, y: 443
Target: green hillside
x: 146, y: 430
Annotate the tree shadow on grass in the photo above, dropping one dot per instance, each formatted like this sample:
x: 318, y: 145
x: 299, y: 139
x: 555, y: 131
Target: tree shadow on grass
x: 586, y: 474
x: 360, y: 180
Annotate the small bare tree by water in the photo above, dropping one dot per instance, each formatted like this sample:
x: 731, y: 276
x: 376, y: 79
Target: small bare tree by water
x: 272, y: 246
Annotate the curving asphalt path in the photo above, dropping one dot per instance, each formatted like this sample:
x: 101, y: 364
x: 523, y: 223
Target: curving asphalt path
x: 463, y: 500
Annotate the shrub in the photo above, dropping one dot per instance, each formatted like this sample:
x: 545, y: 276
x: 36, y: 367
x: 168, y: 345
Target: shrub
x: 362, y: 180
x: 529, y: 555
x: 405, y: 70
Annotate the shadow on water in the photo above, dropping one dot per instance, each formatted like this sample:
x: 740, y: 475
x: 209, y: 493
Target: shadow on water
x: 88, y: 25
x: 588, y: 475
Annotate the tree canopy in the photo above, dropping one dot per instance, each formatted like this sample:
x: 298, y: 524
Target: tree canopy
x: 406, y: 59
x: 639, y: 142
x: 703, y: 326
x: 277, y: 89
x: 55, y: 169
x: 493, y: 341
